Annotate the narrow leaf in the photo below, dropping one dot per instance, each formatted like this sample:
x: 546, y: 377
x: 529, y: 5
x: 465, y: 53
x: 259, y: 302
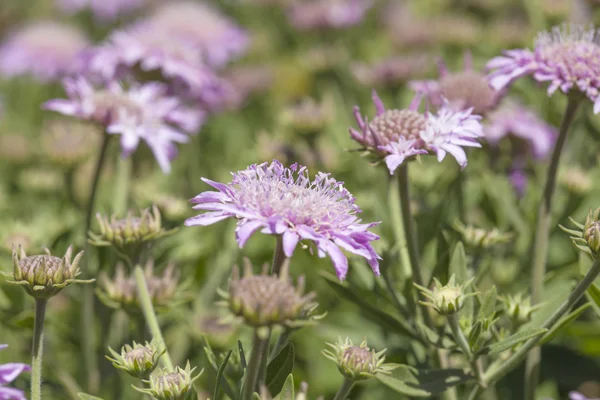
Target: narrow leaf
x: 84, y: 396
x: 401, y: 387
x: 242, y: 355
x: 280, y: 368
x: 593, y: 294
x: 458, y: 263
x: 488, y: 304
x: 220, y: 374
x: 515, y: 339
x: 563, y: 323
x: 287, y: 392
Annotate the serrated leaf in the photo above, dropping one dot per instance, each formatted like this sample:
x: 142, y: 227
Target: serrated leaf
x: 515, y: 339
x: 563, y: 323
x: 280, y: 368
x: 220, y: 374
x: 287, y: 391
x: 84, y: 396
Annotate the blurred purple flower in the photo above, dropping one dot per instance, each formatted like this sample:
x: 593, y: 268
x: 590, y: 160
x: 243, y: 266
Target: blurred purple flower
x: 465, y: 89
x: 390, y: 71
x: 568, y: 58
x: 45, y: 49
x: 8, y: 373
x: 398, y: 135
x: 323, y: 14
x: 284, y: 201
x: 579, y: 396
x: 103, y: 10
x: 138, y: 112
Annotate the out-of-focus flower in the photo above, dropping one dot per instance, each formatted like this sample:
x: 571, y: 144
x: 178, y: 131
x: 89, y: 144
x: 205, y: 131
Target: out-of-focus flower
x: 177, y: 385
x: 138, y: 360
x: 307, y: 117
x: 587, y: 236
x: 284, y: 201
x: 478, y: 238
x: 16, y: 149
x: 245, y: 81
x: 518, y: 309
x: 136, y: 113
x: 46, y: 50
x: 407, y: 29
x: 568, y: 58
x: 357, y: 363
x: 508, y: 32
x: 391, y: 71
x: 8, y: 373
x: 446, y: 299
x: 103, y: 10
x: 459, y: 30
x: 43, y: 276
x: 323, y: 57
x: 579, y: 396
x: 512, y: 119
x: 465, y: 89
x: 327, y: 14
x: 398, y: 135
x: 69, y: 142
x: 576, y: 180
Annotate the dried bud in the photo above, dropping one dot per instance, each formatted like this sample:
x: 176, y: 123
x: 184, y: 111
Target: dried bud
x: 518, y: 309
x: 266, y: 300
x: 480, y: 238
x: 587, y: 237
x: 175, y: 385
x: 69, y: 142
x: 138, y: 360
x: 357, y: 363
x: 446, y: 299
x: 43, y: 276
x: 129, y: 234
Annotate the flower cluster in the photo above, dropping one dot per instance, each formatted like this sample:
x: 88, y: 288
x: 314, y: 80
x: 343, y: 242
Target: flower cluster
x: 284, y: 201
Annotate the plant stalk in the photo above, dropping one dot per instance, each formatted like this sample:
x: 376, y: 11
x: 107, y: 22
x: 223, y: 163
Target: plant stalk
x: 149, y: 314
x: 345, y: 389
x: 542, y: 234
x: 38, y: 349
x: 462, y: 342
x: 278, y: 256
x: 253, y: 370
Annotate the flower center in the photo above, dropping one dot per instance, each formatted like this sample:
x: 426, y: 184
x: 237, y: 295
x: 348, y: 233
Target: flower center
x: 360, y: 358
x: 110, y: 105
x: 139, y: 354
x: 393, y: 124
x: 267, y: 295
x: 31, y: 264
x: 172, y: 379
x: 468, y: 89
x: 448, y: 294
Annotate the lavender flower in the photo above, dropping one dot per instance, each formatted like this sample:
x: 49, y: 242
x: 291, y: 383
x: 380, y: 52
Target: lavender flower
x: 397, y: 135
x: 8, y: 373
x: 45, y: 49
x: 462, y: 90
x: 390, y: 71
x: 579, y: 396
x: 284, y: 201
x: 568, y: 58
x: 323, y: 14
x: 138, y: 112
x: 103, y: 10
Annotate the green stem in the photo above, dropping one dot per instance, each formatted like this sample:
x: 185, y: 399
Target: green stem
x: 121, y: 188
x: 88, y: 333
x: 542, y: 234
x: 38, y: 349
x: 409, y: 228
x: 398, y: 225
x: 149, y: 314
x: 462, y: 342
x: 278, y: 256
x: 496, y: 372
x: 345, y: 389
x: 259, y: 343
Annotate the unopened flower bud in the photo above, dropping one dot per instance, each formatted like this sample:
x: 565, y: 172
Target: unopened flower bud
x: 175, y: 385
x: 357, y: 362
x: 307, y: 117
x: 43, y: 276
x: 446, y: 299
x: 518, y: 309
x: 138, y: 360
x: 576, y: 181
x: 69, y: 142
x: 480, y: 238
x: 587, y: 236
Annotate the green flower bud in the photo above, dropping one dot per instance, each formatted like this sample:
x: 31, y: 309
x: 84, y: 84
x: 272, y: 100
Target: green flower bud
x: 357, y: 363
x: 138, y: 360
x: 446, y: 299
x: 576, y: 181
x: 518, y: 309
x: 175, y: 385
x: 586, y: 237
x: 480, y: 238
x: 43, y: 276
x: 307, y: 117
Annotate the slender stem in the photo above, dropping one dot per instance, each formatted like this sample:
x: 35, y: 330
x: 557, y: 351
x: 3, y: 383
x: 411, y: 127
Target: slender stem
x: 542, y: 234
x: 38, y: 349
x: 409, y: 227
x: 278, y: 256
x: 496, y: 372
x: 462, y: 342
x: 121, y: 187
x: 259, y: 343
x: 149, y: 314
x: 398, y: 225
x: 345, y: 389
x: 88, y: 334
x: 475, y: 392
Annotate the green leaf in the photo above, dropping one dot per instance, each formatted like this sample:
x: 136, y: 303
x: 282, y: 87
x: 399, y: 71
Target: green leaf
x: 220, y: 374
x: 84, y: 396
x: 515, y: 339
x: 422, y: 383
x: 280, y: 368
x: 563, y: 323
x: 287, y: 392
x: 458, y: 263
x: 401, y: 387
x: 476, y: 330
x: 488, y: 304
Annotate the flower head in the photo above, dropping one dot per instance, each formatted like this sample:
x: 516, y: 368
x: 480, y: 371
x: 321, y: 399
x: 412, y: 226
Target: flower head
x: 46, y: 50
x: 462, y: 90
x: 397, y: 135
x: 568, y: 58
x: 587, y: 236
x: 579, y: 396
x: 266, y: 300
x: 307, y: 117
x: 138, y: 360
x: 327, y: 14
x: 177, y: 385
x: 8, y: 373
x: 390, y: 71
x: 518, y: 309
x: 103, y: 10
x: 43, y: 276
x: 69, y: 142
x: 480, y: 238
x: 136, y: 113
x: 446, y: 299
x: 357, y: 362
x: 284, y: 201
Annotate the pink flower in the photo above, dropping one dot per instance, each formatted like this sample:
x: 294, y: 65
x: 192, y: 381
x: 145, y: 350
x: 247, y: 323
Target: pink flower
x: 8, y: 373
x: 284, y: 201
x: 104, y: 10
x: 320, y: 14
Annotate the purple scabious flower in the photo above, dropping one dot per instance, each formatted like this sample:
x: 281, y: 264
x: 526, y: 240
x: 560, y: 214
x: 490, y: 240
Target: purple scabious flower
x: 140, y: 112
x: 568, y: 58
x: 284, y: 201
x: 579, y: 396
x: 46, y: 50
x: 398, y: 135
x: 324, y: 14
x: 8, y: 373
x: 465, y: 89
x: 103, y: 10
